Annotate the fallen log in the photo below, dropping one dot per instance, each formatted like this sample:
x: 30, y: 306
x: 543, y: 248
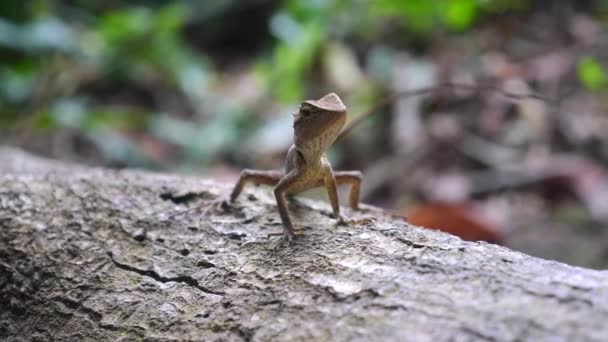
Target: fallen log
x: 89, y: 254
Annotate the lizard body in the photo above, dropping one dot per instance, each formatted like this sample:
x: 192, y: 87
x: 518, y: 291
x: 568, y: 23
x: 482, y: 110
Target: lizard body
x: 317, y: 124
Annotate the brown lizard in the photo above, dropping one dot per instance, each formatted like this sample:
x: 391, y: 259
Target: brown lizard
x: 316, y: 125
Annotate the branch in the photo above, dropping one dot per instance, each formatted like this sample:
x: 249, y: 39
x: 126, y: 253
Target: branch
x: 69, y: 272
x: 423, y: 91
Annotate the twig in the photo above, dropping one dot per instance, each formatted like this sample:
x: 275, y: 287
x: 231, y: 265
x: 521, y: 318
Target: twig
x: 422, y: 91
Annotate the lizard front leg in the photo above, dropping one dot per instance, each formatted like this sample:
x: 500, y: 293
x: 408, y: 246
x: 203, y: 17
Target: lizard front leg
x: 352, y: 178
x: 255, y: 176
x: 285, y: 184
x: 329, y: 180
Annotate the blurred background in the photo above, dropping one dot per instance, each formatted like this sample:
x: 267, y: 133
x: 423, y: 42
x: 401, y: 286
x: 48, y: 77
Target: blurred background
x: 207, y: 88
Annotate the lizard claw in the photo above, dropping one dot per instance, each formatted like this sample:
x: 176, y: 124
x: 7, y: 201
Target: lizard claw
x: 225, y: 204
x: 343, y: 221
x: 286, y: 238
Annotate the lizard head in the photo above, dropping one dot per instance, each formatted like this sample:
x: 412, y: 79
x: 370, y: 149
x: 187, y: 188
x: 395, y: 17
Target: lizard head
x: 323, y: 118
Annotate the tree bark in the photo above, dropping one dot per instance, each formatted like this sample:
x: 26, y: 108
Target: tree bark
x: 92, y: 254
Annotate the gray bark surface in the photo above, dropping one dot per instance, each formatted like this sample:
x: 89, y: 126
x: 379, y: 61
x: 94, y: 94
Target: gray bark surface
x: 99, y: 255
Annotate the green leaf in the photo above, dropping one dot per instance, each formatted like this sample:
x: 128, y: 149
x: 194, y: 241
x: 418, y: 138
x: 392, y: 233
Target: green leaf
x: 293, y: 59
x: 459, y: 14
x: 119, y: 26
x: 44, y: 120
x: 170, y: 19
x: 418, y: 15
x: 591, y: 74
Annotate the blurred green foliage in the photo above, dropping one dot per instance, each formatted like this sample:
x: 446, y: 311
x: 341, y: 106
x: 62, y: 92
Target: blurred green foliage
x: 591, y: 74
x: 109, y: 67
x: 303, y: 28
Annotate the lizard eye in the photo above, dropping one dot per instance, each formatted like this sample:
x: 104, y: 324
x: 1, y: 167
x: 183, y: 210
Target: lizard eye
x: 305, y: 111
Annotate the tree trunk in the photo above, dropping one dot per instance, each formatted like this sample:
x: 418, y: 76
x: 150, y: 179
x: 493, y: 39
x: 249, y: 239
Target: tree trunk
x: 95, y: 255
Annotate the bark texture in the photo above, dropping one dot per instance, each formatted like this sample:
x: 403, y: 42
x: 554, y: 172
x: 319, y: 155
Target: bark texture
x: 101, y: 255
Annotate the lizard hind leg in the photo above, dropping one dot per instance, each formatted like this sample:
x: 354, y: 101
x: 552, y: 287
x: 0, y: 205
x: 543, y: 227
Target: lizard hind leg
x: 247, y: 176
x: 352, y: 178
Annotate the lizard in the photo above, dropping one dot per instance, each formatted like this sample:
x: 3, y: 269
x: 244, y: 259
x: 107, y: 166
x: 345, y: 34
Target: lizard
x: 317, y: 124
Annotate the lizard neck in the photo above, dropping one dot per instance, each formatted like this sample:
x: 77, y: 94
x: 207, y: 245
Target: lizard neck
x: 313, y: 149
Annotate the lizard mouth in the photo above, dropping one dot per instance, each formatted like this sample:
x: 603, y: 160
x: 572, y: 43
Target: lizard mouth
x: 297, y: 121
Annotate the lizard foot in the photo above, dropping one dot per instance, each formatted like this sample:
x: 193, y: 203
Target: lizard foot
x: 286, y: 239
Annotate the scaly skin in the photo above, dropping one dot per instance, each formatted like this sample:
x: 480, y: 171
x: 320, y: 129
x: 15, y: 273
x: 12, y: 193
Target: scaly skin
x: 316, y: 126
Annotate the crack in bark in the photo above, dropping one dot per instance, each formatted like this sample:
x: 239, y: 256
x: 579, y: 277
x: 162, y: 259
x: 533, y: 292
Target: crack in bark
x: 245, y: 333
x: 476, y: 333
x: 388, y: 307
x: 181, y: 198
x: 154, y: 275
x: 368, y: 293
x: 560, y: 299
x: 411, y: 243
x: 399, y: 307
